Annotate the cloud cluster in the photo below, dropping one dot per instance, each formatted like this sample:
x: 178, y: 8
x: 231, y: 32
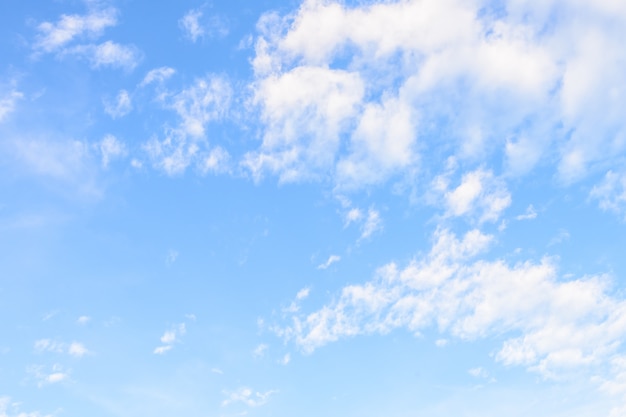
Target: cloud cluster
x: 75, y: 35
x: 548, y: 324
x: 364, y: 92
x: 207, y: 100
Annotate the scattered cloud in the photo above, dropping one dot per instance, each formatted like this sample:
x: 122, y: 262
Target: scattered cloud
x: 111, y: 148
x: 8, y: 102
x: 372, y: 224
x: 73, y: 35
x: 361, y: 106
x: 196, y: 25
x: 157, y: 75
x: 82, y: 320
x: 480, y: 195
x: 47, y: 345
x: 611, y: 193
x: 73, y: 349
x: 248, y: 397
x: 48, y: 375
x: 120, y: 107
x: 108, y: 54
x: 331, y: 260
x: 527, y: 305
x: 52, y: 37
x: 285, y: 359
x: 217, y: 371
x: 530, y: 214
x: 77, y: 349
x: 207, y: 100
x: 169, y: 338
x: 260, y: 350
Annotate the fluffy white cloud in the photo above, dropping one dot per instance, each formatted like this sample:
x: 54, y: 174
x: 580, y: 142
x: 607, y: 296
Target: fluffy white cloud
x: 73, y: 349
x: 419, y: 81
x: 479, y: 195
x: 77, y: 349
x: 169, y: 338
x: 526, y: 304
x: 48, y: 375
x: 74, y: 35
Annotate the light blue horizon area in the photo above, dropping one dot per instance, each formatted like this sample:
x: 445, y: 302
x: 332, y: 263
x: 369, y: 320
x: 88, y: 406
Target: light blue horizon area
x: 312, y: 208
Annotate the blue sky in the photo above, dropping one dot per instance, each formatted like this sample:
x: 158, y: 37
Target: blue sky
x: 282, y: 208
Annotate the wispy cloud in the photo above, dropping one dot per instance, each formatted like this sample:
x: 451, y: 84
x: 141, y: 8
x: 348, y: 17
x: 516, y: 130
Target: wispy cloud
x: 196, y: 25
x: 119, y: 107
x: 54, y: 36
x: 331, y: 260
x: 48, y: 375
x: 248, y: 397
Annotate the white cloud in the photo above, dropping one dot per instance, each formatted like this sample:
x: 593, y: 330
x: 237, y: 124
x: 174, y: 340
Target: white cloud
x: 611, y: 193
x: 53, y: 375
x: 530, y: 214
x: 217, y: 161
x: 160, y: 350
x: 331, y: 260
x: 195, y: 25
x: 303, y: 293
x: 260, y: 350
x: 526, y: 304
x: 479, y: 196
x: 8, y: 102
x: 121, y: 107
x: 54, y: 36
x: 285, y: 359
x: 206, y: 101
x: 157, y: 75
x: 111, y: 148
x: 77, y: 349
x: 82, y: 320
x: 108, y: 54
x: 169, y: 338
x: 248, y: 397
x: 372, y: 224
x: 305, y: 111
x: 353, y: 215
x: 529, y: 95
